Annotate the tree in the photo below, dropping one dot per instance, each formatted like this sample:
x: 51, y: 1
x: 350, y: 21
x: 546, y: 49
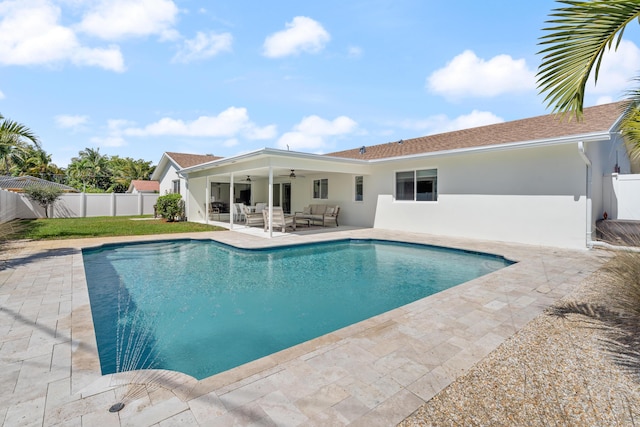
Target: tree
x: 37, y: 162
x: 579, y: 35
x: 45, y: 196
x: 15, y: 138
x: 123, y: 170
x: 94, y: 172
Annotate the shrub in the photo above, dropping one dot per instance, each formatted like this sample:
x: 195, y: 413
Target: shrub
x: 42, y: 195
x: 170, y: 207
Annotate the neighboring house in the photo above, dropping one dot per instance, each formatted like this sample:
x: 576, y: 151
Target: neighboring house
x: 166, y: 173
x: 536, y: 181
x: 143, y: 186
x: 17, y: 184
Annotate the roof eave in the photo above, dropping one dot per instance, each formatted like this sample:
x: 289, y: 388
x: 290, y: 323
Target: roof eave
x: 595, y: 136
x: 266, y: 152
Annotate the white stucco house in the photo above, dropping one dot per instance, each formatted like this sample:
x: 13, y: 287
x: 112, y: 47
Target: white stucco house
x: 166, y: 173
x: 536, y: 181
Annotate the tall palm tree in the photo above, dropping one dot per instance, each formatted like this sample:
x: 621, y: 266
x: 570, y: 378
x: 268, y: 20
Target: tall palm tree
x: 15, y: 138
x: 91, y: 168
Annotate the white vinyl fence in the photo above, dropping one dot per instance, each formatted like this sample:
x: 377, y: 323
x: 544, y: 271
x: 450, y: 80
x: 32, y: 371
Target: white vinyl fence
x: 78, y: 205
x: 621, y: 196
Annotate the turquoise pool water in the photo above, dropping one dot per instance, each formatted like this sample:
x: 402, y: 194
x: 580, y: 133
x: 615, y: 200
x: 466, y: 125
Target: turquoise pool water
x: 201, y: 307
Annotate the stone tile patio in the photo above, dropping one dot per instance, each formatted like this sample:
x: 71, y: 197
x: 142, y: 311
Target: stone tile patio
x: 373, y: 373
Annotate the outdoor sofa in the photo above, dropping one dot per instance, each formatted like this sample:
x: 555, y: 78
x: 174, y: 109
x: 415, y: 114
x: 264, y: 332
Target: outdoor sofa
x: 320, y: 214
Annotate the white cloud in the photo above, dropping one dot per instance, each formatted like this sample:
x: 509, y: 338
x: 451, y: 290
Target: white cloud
x: 109, y: 141
x: 118, y: 19
x: 303, y: 34
x: 312, y: 132
x: 228, y: 124
x: 30, y: 34
x: 604, y: 100
x: 115, y: 130
x: 2, y: 96
x: 617, y: 71
x: 203, y: 46
x: 469, y: 76
x: 66, y: 121
x: 354, y: 52
x: 441, y: 123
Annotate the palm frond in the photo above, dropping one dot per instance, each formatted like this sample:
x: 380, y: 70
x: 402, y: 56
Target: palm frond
x: 578, y: 37
x: 15, y: 132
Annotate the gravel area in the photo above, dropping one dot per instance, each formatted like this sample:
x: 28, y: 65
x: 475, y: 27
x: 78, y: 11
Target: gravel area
x: 555, y: 371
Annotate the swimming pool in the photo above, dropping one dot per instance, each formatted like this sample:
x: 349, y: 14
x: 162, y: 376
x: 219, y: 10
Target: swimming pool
x: 202, y: 307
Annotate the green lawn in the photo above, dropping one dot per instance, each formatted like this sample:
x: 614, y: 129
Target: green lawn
x: 73, y: 228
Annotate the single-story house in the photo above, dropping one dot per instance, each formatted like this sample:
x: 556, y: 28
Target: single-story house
x: 536, y: 181
x: 143, y: 186
x: 166, y: 173
x: 17, y: 184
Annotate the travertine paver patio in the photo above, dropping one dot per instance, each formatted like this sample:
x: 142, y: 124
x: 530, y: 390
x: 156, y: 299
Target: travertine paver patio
x: 376, y: 372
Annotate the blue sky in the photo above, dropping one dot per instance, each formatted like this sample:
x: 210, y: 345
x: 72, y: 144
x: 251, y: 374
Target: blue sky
x: 136, y: 78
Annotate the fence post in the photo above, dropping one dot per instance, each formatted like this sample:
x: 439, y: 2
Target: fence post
x: 113, y: 204
x: 140, y: 204
x: 83, y: 205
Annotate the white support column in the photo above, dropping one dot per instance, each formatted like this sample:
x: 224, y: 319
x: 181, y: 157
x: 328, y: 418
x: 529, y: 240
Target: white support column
x: 232, y: 197
x: 207, y: 201
x: 270, y: 225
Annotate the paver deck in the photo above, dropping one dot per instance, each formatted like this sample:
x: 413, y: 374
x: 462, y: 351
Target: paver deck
x: 373, y: 373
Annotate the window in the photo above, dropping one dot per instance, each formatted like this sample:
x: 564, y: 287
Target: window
x: 359, y: 188
x: 421, y: 185
x: 321, y: 188
x: 175, y: 186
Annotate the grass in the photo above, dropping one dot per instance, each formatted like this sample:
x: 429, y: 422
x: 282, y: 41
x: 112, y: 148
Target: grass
x: 77, y: 228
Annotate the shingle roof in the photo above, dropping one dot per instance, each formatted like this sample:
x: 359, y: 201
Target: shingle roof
x: 19, y: 183
x: 185, y: 160
x: 145, y: 185
x: 596, y: 119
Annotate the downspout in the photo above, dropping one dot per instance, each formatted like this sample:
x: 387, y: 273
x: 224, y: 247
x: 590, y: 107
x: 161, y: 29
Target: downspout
x: 589, y: 231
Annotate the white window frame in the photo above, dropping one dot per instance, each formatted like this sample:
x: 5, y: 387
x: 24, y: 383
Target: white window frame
x: 430, y: 174
x: 313, y: 189
x: 175, y: 183
x: 355, y: 189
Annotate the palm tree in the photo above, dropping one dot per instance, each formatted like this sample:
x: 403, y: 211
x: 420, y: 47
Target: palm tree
x: 15, y: 139
x: 123, y: 170
x: 38, y: 163
x: 91, y: 169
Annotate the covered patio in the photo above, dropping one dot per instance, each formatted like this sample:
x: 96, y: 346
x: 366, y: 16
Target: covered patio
x: 275, y: 178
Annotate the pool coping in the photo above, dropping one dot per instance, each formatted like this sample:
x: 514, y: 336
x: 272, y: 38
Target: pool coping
x: 375, y: 372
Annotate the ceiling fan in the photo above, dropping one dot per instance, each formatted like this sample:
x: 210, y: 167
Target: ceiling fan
x: 293, y: 175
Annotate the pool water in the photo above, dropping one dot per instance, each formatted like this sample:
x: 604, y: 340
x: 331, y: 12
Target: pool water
x: 201, y: 307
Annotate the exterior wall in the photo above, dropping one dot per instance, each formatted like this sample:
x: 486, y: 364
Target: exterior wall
x: 604, y: 157
x: 167, y: 178
x: 196, y: 199
x: 529, y: 195
x: 621, y: 195
x: 341, y: 192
